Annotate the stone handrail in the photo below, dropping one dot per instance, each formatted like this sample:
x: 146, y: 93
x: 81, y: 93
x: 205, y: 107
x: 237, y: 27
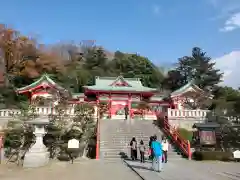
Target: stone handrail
x: 172, y: 113
x: 39, y: 110
x: 185, y: 113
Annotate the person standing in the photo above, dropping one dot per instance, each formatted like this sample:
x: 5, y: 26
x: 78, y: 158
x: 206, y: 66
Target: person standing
x: 150, y: 148
x: 157, y: 155
x: 142, y: 151
x: 126, y: 111
x: 133, y: 145
x: 165, y: 150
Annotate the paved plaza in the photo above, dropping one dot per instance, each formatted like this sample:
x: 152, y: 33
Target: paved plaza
x: 83, y: 169
x: 189, y: 170
x: 117, y: 170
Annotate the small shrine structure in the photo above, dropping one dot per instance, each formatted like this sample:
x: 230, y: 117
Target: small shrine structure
x: 188, y: 94
x: 205, y: 135
x: 43, y: 88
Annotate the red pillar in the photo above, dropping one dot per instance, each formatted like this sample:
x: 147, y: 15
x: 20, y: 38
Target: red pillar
x: 129, y: 104
x: 110, y: 106
x: 189, y: 150
x: 1, y: 147
x: 98, y: 130
x: 30, y: 97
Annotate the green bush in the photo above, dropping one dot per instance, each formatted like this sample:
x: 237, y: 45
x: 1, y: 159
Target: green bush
x: 63, y: 156
x: 185, y: 134
x: 212, y: 155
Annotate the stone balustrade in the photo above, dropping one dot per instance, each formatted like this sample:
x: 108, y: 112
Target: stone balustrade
x: 172, y: 113
x: 186, y: 118
x: 39, y: 110
x: 52, y: 111
x: 185, y: 113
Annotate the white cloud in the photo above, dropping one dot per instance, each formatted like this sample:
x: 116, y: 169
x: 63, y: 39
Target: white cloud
x: 229, y: 64
x: 227, y: 10
x: 232, y: 23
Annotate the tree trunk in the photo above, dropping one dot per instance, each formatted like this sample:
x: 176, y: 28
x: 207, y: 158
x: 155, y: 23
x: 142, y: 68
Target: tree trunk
x: 85, y: 150
x: 19, y: 155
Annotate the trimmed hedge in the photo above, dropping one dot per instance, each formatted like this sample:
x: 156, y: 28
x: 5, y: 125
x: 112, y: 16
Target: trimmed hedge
x: 212, y: 155
x: 63, y: 157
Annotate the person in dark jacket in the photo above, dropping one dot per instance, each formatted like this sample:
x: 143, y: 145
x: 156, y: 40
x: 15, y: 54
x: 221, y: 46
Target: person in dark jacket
x: 150, y: 149
x: 133, y: 145
x: 126, y: 111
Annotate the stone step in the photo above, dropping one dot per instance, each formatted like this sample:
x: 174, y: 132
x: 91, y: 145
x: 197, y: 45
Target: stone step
x: 123, y: 136
x: 113, y: 157
x: 115, y: 149
x: 115, y: 145
x: 117, y: 154
x: 127, y: 155
x: 145, y: 135
x: 115, y: 136
x: 122, y: 140
x: 111, y: 139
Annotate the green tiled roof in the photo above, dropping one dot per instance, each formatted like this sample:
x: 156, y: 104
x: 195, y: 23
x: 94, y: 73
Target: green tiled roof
x: 43, y: 78
x: 157, y: 97
x: 185, y: 89
x: 106, y: 84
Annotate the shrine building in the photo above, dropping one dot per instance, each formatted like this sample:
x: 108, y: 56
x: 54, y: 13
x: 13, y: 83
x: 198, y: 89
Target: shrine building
x: 117, y: 93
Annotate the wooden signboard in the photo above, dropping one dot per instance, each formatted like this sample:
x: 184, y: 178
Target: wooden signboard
x: 236, y: 154
x: 73, y: 144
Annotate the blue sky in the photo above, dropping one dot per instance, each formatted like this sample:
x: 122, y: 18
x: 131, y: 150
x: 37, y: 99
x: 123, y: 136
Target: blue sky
x: 162, y: 30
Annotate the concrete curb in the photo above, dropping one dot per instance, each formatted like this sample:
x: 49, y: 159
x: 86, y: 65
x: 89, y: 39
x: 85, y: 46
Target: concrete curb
x: 133, y: 169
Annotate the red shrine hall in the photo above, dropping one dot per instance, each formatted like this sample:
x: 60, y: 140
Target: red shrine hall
x: 118, y: 93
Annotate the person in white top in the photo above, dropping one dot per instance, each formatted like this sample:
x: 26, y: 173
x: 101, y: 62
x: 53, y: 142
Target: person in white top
x: 165, y: 149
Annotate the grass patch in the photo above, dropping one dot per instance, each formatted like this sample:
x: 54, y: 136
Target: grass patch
x: 185, y: 134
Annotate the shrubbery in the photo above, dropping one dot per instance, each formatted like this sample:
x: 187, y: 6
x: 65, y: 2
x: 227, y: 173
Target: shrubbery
x: 212, y: 155
x: 185, y: 134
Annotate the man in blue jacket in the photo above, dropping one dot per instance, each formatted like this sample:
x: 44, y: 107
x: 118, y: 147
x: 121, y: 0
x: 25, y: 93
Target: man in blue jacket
x: 157, y: 155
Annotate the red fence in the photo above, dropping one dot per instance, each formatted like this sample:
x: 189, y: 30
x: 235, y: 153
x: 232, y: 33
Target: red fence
x: 98, y: 139
x: 1, y: 147
x: 184, y: 145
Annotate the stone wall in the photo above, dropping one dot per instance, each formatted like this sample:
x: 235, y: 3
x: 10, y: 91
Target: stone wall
x: 186, y: 118
x: 185, y: 123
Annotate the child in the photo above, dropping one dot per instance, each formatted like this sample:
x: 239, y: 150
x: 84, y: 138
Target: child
x: 142, y: 151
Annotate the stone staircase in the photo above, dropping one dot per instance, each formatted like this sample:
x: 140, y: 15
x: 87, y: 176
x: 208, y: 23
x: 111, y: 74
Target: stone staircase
x: 115, y: 136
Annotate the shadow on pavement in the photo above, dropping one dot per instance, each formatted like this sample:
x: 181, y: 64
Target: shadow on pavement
x: 123, y: 155
x: 142, y: 167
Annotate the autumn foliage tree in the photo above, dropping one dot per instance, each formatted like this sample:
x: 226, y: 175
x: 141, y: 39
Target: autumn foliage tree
x: 23, y: 56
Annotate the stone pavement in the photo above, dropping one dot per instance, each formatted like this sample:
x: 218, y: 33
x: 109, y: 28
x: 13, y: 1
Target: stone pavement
x: 83, y: 169
x: 188, y: 170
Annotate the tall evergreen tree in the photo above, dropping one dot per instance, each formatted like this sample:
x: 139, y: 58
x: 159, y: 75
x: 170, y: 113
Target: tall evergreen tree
x: 198, y: 67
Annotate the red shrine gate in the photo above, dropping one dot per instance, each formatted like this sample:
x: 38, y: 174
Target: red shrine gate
x: 125, y: 94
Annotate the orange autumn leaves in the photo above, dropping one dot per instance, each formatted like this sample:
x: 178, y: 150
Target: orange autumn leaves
x: 21, y: 55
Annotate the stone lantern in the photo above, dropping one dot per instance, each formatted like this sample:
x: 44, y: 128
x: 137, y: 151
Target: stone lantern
x: 37, y: 154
